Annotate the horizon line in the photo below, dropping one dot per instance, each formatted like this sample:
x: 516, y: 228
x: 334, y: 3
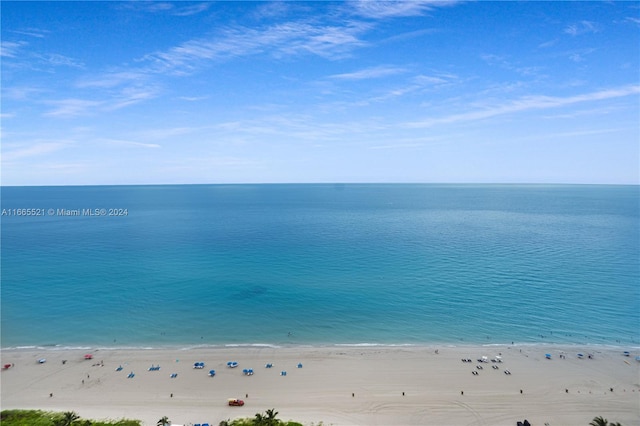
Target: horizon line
x: 324, y: 183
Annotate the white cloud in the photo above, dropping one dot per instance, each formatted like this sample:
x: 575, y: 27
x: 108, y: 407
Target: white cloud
x: 583, y: 27
x: 113, y: 79
x: 9, y: 49
x: 287, y: 39
x: 71, y: 107
x: 123, y: 142
x: 32, y: 32
x: 34, y: 150
x: 129, y: 96
x: 191, y: 9
x: 634, y: 20
x: 175, y: 9
x: 394, y: 9
x: 367, y: 73
x: 527, y: 103
x: 60, y: 60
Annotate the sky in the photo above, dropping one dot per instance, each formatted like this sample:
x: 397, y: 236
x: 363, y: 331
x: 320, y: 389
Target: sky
x: 98, y: 93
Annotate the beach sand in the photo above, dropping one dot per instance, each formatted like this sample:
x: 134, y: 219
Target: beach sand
x: 351, y: 385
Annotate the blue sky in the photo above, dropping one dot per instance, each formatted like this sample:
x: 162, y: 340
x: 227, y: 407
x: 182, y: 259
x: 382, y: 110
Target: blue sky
x: 234, y: 92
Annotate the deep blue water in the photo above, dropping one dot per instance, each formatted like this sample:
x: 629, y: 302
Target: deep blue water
x: 321, y: 264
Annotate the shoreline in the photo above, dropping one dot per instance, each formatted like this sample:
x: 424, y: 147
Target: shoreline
x: 189, y: 347
x: 338, y: 385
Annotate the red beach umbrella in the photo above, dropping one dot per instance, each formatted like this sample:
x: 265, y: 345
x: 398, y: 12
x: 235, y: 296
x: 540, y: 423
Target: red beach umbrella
x: 88, y: 356
x: 6, y: 366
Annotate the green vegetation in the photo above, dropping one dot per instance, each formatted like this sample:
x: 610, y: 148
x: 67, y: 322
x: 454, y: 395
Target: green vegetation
x: 268, y: 418
x: 48, y: 418
x: 70, y: 418
x: 601, y: 421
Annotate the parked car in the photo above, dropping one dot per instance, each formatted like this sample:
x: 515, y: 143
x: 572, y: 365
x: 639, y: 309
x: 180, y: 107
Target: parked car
x: 236, y: 402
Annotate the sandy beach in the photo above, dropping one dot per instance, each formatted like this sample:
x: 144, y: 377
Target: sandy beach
x: 351, y: 385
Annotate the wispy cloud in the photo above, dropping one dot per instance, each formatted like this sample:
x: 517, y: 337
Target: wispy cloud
x: 9, y: 49
x: 66, y: 108
x: 368, y: 73
x: 33, y: 150
x: 580, y: 56
x: 175, y: 9
x: 633, y: 20
x: 112, y: 79
x: 129, y: 96
x: 398, y: 146
x: 508, y: 64
x: 55, y: 59
x: 191, y: 9
x: 583, y: 27
x: 164, y: 133
x: 124, y: 143
x: 32, y: 32
x: 281, y: 40
x: 193, y: 98
x: 394, y: 9
x: 527, y: 103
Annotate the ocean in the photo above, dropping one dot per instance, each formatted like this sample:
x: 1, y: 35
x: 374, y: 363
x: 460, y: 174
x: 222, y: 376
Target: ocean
x: 319, y: 264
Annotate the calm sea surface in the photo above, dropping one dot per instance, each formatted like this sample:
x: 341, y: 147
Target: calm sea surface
x: 320, y: 264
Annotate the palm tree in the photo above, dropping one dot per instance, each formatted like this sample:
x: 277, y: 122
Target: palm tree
x: 68, y: 418
x: 599, y: 421
x: 164, y: 421
x: 271, y: 414
x: 259, y: 420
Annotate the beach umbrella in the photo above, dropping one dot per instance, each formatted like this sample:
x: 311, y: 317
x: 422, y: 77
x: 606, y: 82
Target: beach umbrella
x: 212, y: 373
x: 548, y: 356
x: 88, y: 356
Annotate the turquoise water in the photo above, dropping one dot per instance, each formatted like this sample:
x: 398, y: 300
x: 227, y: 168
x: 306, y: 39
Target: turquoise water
x: 321, y: 264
